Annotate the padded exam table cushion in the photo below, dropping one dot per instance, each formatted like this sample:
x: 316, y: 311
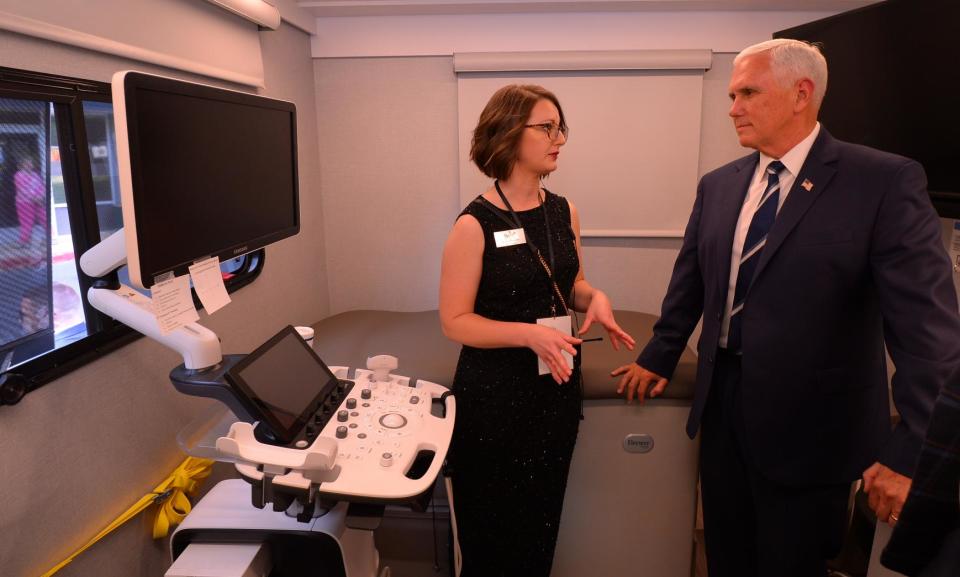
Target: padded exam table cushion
x: 416, y: 339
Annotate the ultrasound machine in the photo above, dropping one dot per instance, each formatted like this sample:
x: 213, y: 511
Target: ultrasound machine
x: 319, y: 450
x: 325, y: 456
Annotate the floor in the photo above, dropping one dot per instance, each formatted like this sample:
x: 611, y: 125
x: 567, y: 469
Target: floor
x: 405, y: 541
x: 410, y: 552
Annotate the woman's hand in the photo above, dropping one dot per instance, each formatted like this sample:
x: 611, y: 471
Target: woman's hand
x: 548, y: 344
x: 601, y: 311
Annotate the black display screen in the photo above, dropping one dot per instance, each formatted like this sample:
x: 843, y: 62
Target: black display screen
x: 213, y: 172
x: 281, y: 383
x: 890, y: 67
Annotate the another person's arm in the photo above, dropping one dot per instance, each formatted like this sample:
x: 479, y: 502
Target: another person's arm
x: 459, y: 280
x: 932, y: 509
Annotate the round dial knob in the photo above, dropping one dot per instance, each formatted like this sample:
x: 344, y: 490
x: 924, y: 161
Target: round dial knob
x: 341, y: 432
x: 386, y: 459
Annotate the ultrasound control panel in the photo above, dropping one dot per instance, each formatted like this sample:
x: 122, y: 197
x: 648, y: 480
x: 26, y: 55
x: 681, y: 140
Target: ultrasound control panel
x: 389, y: 438
x: 376, y: 438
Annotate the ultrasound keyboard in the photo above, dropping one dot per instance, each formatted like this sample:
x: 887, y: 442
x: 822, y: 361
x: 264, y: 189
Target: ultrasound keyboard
x: 379, y: 438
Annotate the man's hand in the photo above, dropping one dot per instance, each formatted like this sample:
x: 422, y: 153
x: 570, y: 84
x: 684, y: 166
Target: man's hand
x: 887, y: 490
x: 636, y: 380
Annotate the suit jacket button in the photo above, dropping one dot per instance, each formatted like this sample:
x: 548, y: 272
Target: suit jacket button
x: 719, y: 316
x: 710, y: 359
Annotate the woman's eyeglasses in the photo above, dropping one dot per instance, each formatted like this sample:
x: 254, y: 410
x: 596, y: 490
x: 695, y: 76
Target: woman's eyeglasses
x: 553, y: 131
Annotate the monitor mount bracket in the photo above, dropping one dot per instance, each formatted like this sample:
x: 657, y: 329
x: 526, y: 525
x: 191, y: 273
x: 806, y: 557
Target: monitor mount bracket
x: 198, y: 345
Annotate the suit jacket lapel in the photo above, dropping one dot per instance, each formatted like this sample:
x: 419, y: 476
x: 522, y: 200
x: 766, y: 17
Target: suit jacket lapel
x: 816, y: 170
x: 728, y: 213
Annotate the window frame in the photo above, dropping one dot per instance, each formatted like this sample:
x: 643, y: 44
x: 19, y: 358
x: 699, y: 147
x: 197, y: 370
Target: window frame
x: 104, y: 334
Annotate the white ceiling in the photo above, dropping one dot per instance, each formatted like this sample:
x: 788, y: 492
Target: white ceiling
x: 322, y: 8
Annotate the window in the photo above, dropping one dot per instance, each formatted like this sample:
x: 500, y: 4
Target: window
x: 59, y: 196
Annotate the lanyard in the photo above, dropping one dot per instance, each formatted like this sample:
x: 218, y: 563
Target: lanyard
x: 533, y: 247
x: 516, y: 219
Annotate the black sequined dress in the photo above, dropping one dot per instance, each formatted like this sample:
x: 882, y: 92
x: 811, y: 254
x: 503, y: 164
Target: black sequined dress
x: 515, y: 430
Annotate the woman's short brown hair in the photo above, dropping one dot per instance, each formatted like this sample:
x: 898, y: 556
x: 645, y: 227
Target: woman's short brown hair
x: 496, y: 139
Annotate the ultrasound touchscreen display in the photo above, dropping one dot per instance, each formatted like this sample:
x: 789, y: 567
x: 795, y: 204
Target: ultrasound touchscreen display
x: 282, y: 382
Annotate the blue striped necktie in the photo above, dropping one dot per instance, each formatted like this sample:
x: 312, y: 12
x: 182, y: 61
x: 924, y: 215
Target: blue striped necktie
x: 752, y: 249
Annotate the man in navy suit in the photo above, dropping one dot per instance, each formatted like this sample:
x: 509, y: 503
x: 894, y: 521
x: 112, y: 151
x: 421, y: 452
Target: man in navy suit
x: 806, y: 260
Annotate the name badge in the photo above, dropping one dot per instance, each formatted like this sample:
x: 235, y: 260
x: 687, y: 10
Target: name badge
x: 563, y: 324
x: 510, y: 237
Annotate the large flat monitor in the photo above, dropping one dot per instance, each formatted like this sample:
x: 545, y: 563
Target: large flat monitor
x: 890, y: 68
x: 204, y: 172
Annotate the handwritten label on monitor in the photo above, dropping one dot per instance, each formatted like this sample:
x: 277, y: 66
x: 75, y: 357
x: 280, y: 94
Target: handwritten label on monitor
x: 172, y: 303
x: 208, y: 282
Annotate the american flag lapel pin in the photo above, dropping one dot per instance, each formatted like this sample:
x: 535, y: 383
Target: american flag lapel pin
x: 807, y: 185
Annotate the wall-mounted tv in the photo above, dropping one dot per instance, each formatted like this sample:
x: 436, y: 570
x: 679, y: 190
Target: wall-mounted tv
x: 204, y: 172
x: 893, y: 68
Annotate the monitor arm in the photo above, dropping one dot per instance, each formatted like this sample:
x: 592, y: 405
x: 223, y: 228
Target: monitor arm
x: 199, y: 346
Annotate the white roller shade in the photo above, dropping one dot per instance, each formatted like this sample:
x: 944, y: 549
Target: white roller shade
x: 632, y: 159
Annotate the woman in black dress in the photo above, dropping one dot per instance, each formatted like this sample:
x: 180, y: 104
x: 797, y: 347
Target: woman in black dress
x: 510, y: 275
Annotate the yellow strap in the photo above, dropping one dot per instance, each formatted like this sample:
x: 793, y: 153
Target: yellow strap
x: 172, y: 496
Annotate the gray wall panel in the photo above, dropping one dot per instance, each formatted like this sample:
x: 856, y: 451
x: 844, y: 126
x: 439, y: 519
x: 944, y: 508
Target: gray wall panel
x: 388, y: 156
x: 79, y: 451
